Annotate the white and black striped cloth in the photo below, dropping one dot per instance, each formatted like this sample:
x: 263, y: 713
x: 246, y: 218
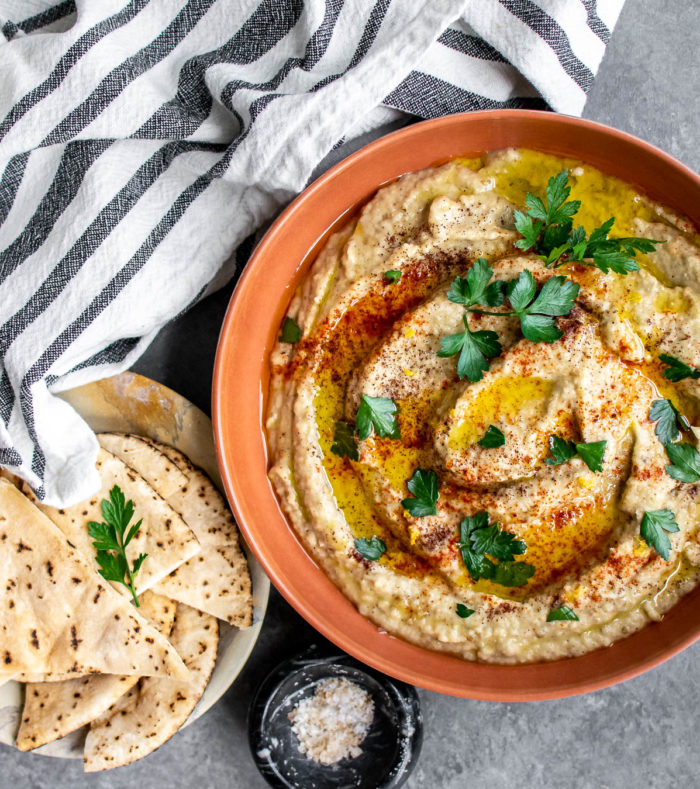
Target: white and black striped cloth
x: 142, y: 140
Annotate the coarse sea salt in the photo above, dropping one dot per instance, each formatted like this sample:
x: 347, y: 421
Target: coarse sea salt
x: 331, y: 724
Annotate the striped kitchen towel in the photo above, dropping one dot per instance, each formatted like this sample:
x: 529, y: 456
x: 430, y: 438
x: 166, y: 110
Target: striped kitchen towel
x: 142, y: 140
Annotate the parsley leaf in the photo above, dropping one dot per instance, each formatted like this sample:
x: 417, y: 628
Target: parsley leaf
x: 556, y: 297
x: 592, y: 454
x: 669, y: 421
x: 424, y: 486
x: 344, y: 444
x: 529, y: 230
x: 478, y: 538
x: 471, y: 290
x: 655, y: 524
x: 370, y: 549
x: 474, y: 349
x: 476, y: 287
x: 492, y: 438
x: 521, y: 291
x: 678, y: 370
x: 377, y: 414
x: 393, y: 275
x: 563, y: 450
x: 495, y: 293
x: 562, y: 614
x: 499, y: 544
x: 558, y: 210
x: 473, y: 561
x: 685, y: 462
x: 511, y: 573
x: 291, y: 332
x: 463, y: 611
x: 110, y: 539
x: 536, y: 313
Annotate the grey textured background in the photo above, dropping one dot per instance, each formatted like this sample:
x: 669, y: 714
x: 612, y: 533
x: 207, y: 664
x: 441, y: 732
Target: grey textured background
x: 641, y: 733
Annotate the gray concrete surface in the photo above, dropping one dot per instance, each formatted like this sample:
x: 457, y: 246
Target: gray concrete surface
x: 641, y: 733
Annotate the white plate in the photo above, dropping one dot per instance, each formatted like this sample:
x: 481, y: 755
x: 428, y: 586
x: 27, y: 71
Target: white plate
x: 130, y: 403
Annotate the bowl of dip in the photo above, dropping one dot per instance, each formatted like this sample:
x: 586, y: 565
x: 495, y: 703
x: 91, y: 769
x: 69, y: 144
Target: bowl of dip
x: 336, y: 375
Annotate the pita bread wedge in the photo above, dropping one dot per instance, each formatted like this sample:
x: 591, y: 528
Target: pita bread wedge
x: 156, y: 708
x: 164, y: 535
x: 57, y: 615
x: 158, y: 610
x: 217, y: 580
x: 54, y: 709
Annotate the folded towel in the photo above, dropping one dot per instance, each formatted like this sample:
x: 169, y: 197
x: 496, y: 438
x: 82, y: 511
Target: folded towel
x: 142, y: 141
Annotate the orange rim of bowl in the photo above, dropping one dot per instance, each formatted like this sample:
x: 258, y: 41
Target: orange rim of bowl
x: 249, y: 333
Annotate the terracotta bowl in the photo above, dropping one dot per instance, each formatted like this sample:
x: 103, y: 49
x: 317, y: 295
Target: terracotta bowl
x: 241, y: 384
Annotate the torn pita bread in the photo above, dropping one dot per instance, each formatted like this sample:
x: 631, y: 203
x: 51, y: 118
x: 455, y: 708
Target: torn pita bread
x: 54, y: 709
x: 57, y: 615
x: 164, y: 536
x: 155, y: 709
x: 217, y: 580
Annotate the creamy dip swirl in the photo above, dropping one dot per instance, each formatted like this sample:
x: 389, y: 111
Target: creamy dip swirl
x: 364, y: 334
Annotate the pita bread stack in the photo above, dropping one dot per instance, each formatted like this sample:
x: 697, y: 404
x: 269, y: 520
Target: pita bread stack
x: 58, y: 615
x: 89, y: 656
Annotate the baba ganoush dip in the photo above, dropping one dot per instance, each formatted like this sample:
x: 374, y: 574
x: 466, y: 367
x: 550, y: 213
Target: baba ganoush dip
x: 481, y: 408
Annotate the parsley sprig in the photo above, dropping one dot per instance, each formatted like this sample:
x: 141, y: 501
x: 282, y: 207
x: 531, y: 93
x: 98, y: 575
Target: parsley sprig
x: 111, y: 539
x: 479, y: 541
x: 547, y: 228
x: 537, y: 311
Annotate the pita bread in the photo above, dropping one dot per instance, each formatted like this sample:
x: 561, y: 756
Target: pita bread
x: 156, y: 708
x: 158, y: 610
x: 57, y: 615
x: 217, y: 580
x: 164, y: 535
x: 54, y: 709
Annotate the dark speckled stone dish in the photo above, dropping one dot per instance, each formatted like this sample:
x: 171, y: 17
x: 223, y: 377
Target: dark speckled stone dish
x: 389, y: 751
